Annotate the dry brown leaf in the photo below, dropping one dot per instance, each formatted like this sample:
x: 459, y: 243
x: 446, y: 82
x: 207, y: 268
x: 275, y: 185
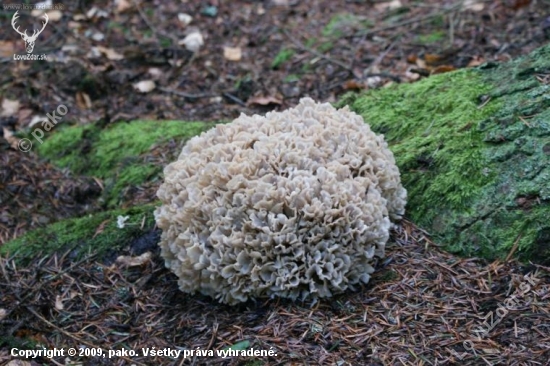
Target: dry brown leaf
x: 109, y: 53
x: 83, y: 100
x: 443, y: 69
x: 432, y: 59
x: 8, y: 136
x: 353, y: 85
x: 100, y: 228
x: 476, y: 61
x: 129, y: 261
x: 145, y: 86
x: 7, y: 49
x: 265, y: 100
x: 421, y: 63
x: 412, y: 59
x: 232, y: 53
x: 9, y: 107
x: 122, y: 5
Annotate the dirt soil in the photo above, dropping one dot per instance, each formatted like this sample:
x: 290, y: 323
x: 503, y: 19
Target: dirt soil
x: 256, y: 56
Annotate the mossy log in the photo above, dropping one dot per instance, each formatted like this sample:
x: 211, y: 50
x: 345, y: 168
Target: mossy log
x: 473, y: 147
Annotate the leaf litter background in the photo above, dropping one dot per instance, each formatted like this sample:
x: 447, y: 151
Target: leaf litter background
x: 112, y: 61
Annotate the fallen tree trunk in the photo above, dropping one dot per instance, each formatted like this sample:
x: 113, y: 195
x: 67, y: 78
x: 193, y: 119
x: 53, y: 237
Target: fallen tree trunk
x: 473, y: 147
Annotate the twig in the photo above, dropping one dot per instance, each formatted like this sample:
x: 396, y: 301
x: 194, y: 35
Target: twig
x: 407, y: 22
x: 514, y: 247
x: 234, y: 99
x: 318, y: 54
x: 150, y: 25
x: 380, y: 58
x: 186, y: 95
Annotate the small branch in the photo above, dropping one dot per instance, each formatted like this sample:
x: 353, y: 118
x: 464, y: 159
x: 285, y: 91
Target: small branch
x: 408, y: 21
x: 186, y: 95
x: 234, y: 99
x: 150, y: 25
x: 317, y: 53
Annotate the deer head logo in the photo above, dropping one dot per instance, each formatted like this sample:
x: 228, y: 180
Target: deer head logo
x: 29, y: 40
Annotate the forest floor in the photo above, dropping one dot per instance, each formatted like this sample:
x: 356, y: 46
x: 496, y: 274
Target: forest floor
x: 112, y: 62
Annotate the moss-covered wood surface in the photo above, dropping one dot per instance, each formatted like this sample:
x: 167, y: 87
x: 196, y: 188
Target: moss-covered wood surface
x: 473, y: 147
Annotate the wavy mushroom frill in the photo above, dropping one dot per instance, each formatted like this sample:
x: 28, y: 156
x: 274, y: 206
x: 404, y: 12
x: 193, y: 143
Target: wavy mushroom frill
x: 295, y: 204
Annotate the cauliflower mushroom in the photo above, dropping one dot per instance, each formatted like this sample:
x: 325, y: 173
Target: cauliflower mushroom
x: 295, y: 204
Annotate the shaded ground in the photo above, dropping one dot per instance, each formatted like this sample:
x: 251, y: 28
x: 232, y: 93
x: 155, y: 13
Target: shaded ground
x: 421, y: 305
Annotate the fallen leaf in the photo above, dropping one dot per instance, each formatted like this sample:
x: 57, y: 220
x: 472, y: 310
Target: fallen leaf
x: 421, y: 63
x: 8, y: 136
x: 109, y: 53
x: 265, y: 101
x: 395, y: 4
x: 122, y: 5
x: 145, y: 86
x: 54, y: 15
x: 374, y: 82
x: 83, y: 100
x: 129, y: 261
x: 232, y: 53
x: 9, y: 107
x: 473, y: 5
x: 518, y: 4
x: 411, y: 76
x: 353, y: 85
x: 193, y: 41
x: 185, y: 19
x: 443, y: 69
x: 24, y: 114
x: 155, y: 72
x: 100, y: 228
x: 432, y: 59
x: 7, y: 49
x: 58, y: 303
x: 476, y: 61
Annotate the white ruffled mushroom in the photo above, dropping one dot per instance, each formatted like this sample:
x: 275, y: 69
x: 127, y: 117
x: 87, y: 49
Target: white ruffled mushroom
x: 295, y: 204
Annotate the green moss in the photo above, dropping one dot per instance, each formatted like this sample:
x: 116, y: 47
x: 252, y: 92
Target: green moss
x: 325, y: 47
x: 283, y: 56
x: 96, y: 233
x: 291, y: 78
x: 429, y: 127
x: 472, y: 147
x: 431, y: 38
x: 114, y: 154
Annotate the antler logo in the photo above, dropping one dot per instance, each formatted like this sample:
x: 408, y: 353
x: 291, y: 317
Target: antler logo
x: 29, y: 40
